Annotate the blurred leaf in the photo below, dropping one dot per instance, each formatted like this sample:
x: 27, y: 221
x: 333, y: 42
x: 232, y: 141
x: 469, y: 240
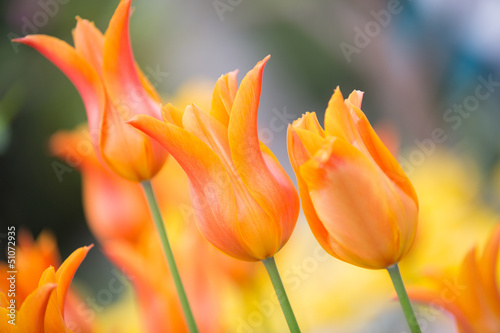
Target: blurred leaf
x: 10, y: 104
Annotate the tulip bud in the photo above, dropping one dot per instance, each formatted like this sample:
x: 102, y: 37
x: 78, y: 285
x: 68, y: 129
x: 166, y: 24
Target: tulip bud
x: 359, y: 203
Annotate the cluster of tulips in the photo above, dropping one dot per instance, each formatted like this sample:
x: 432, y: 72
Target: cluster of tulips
x: 359, y: 204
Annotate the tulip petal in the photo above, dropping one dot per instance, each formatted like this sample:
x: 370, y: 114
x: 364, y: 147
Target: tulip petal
x: 89, y: 43
x: 223, y: 97
x: 299, y: 155
x: 173, y: 115
x: 31, y: 315
x: 127, y: 151
x: 74, y: 147
x: 4, y: 312
x: 309, y: 133
x: 3, y: 299
x: 338, y: 121
x: 54, y: 318
x: 78, y: 70
x: 66, y: 271
x: 487, y: 268
x: 121, y: 78
x: 208, y: 182
x: 335, y: 176
x: 247, y: 155
x: 258, y: 231
x: 419, y: 294
x: 475, y: 292
x: 382, y: 155
x: 4, y: 324
x: 355, y: 98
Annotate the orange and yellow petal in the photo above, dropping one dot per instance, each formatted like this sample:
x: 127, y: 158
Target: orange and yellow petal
x: 78, y: 70
x: 89, y: 43
x: 213, y: 203
x: 124, y: 84
x: 31, y: 316
x: 223, y: 97
x: 363, y: 229
x: 281, y: 204
x: 127, y: 151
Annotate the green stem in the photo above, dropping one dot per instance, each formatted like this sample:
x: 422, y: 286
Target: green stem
x: 272, y: 270
x: 397, y: 281
x: 155, y: 212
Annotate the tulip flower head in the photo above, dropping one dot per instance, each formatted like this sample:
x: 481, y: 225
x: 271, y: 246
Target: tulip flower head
x: 244, y: 202
x: 43, y: 310
x: 359, y: 203
x: 113, y: 89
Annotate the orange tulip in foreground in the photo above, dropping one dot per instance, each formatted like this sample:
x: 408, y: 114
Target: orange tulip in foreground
x: 245, y: 203
x: 472, y: 293
x: 113, y: 89
x: 360, y: 205
x: 43, y: 309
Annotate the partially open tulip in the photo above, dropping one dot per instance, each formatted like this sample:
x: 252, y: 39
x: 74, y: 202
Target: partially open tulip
x: 113, y: 89
x: 32, y: 258
x: 245, y: 203
x: 359, y: 203
x: 43, y: 310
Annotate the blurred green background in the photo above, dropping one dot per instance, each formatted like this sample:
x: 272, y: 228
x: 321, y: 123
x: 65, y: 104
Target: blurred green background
x: 416, y: 60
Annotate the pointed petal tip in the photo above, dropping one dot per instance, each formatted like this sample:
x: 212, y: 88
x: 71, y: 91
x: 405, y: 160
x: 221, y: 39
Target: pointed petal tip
x: 264, y: 61
x: 21, y: 40
x: 138, y: 120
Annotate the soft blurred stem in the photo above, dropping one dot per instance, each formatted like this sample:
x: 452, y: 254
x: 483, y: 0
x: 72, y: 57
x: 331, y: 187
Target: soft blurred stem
x: 272, y: 270
x: 397, y: 281
x: 155, y: 212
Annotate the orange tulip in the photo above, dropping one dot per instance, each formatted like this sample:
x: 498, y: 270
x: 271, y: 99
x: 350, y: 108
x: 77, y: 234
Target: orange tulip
x: 113, y: 89
x: 472, y: 293
x: 32, y: 258
x: 359, y: 203
x: 43, y: 309
x: 245, y: 203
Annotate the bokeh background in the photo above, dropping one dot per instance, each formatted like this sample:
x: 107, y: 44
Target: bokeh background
x: 420, y: 63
